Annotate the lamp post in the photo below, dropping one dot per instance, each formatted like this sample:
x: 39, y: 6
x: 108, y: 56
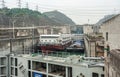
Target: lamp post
x: 14, y: 19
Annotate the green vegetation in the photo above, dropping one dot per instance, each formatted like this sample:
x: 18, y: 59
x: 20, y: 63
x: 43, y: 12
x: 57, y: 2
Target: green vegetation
x: 24, y: 15
x: 19, y: 12
x: 59, y: 17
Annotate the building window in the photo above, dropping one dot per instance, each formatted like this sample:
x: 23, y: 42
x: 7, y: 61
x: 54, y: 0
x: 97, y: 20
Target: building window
x: 102, y: 75
x: 16, y: 72
x: 16, y: 61
x: 106, y: 36
x: 29, y: 64
x: 99, y: 27
x: 29, y: 73
x: 103, y: 69
x: 95, y: 75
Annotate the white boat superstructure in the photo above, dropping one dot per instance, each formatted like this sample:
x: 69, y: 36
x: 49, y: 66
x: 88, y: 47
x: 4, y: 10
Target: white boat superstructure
x: 55, y: 39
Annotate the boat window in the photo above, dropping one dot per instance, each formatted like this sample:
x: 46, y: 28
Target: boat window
x: 49, y: 36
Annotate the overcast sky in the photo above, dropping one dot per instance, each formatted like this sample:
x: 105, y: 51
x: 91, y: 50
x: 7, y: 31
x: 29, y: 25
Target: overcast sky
x: 80, y: 11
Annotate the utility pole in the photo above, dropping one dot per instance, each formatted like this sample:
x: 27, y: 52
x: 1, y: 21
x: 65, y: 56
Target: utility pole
x: 14, y: 20
x: 36, y: 7
x: 19, y: 3
x: 27, y: 6
x: 13, y: 23
x: 3, y: 4
x: 33, y: 35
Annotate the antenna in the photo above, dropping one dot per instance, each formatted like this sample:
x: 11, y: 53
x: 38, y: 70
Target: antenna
x: 115, y: 10
x: 3, y: 4
x: 19, y: 3
x: 36, y: 7
x: 88, y: 21
x: 27, y: 6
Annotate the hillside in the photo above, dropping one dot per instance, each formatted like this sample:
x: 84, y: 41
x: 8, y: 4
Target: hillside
x: 24, y: 17
x: 107, y: 17
x: 59, y: 17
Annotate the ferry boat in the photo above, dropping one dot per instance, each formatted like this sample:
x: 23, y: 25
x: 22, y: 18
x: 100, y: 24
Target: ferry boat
x: 56, y: 42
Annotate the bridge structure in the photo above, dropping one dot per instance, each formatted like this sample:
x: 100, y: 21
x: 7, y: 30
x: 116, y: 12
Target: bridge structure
x: 34, y: 30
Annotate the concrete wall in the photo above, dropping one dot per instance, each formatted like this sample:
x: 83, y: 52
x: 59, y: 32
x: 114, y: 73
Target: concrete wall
x: 25, y: 64
x: 87, y: 72
x: 54, y: 30
x: 87, y: 47
x: 87, y: 29
x: 65, y: 29
x: 90, y: 47
x: 112, y: 64
x: 113, y: 28
x: 20, y: 62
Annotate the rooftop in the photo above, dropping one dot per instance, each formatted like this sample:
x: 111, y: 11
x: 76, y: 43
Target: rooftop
x: 68, y: 61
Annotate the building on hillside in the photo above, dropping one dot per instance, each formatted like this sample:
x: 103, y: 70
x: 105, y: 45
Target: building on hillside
x: 111, y: 31
x: 112, y: 64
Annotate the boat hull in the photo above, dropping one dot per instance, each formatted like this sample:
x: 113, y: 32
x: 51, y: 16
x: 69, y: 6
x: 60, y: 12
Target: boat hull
x: 51, y: 48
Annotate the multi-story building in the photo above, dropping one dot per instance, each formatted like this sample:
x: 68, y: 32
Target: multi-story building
x: 111, y: 31
x: 32, y: 65
x: 109, y: 27
x: 112, y: 64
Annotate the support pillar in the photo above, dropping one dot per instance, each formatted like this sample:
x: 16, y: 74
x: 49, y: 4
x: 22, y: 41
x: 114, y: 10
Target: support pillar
x: 47, y: 69
x: 66, y: 71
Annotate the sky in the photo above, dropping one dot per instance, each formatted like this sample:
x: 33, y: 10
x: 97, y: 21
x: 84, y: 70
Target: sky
x: 80, y: 11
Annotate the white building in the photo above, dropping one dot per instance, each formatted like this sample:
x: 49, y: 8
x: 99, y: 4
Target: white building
x: 48, y: 66
x: 32, y: 65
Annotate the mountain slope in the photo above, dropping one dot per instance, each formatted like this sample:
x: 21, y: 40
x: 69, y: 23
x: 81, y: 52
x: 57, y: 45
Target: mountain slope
x: 107, y: 17
x: 24, y: 17
x: 59, y: 17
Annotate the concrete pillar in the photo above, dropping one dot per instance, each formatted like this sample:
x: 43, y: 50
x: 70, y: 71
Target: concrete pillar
x: 51, y: 30
x: 66, y: 71
x: 47, y: 69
